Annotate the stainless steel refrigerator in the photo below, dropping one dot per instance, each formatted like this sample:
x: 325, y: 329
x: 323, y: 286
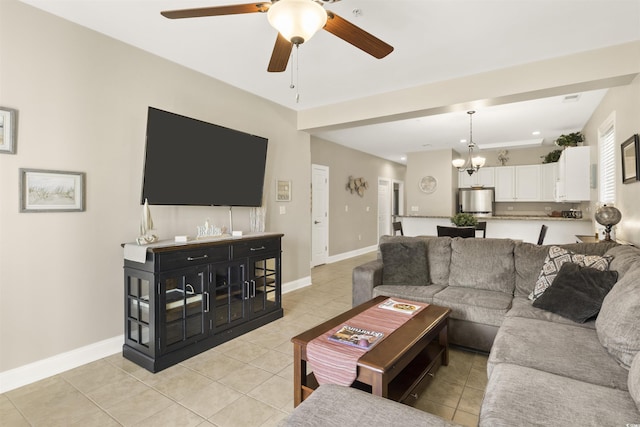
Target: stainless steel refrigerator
x: 477, y: 201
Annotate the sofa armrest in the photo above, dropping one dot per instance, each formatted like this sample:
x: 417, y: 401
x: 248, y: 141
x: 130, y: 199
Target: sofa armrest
x: 365, y: 277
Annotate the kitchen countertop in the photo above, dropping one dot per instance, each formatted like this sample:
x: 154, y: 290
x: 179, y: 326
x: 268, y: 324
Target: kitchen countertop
x: 505, y: 217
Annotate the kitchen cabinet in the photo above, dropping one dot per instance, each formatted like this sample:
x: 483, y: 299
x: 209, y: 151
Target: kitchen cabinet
x: 484, y: 177
x: 572, y: 184
x: 517, y: 183
x: 188, y: 298
x: 549, y: 172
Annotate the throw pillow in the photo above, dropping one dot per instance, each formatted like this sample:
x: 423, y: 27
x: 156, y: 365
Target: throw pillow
x: 404, y: 263
x: 577, y: 292
x: 554, y: 260
x: 618, y: 323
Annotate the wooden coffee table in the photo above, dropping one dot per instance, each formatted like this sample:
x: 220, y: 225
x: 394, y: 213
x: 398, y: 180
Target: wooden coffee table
x: 397, y: 367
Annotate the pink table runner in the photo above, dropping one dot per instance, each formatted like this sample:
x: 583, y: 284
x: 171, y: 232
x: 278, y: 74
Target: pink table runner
x: 337, y: 363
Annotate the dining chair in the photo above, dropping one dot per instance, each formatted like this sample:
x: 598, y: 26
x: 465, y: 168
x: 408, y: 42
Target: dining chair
x: 482, y: 226
x: 456, y: 231
x: 543, y: 232
x: 397, y: 226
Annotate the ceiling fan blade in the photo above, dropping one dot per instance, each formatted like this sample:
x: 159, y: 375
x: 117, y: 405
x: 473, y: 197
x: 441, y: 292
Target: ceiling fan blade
x: 355, y: 35
x: 233, y: 9
x: 280, y: 55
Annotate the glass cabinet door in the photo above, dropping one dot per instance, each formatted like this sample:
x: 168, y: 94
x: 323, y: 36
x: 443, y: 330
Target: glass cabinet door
x: 184, y: 307
x: 264, y: 287
x: 139, y: 323
x: 229, y: 292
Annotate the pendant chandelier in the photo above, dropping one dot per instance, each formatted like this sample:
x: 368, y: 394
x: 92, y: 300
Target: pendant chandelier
x: 472, y: 164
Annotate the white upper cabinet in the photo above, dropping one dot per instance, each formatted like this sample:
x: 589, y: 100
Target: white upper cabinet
x: 483, y: 177
x: 549, y: 173
x: 573, y: 175
x: 518, y: 183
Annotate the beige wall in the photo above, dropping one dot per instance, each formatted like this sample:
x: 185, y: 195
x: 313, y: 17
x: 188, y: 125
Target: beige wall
x: 438, y: 165
x: 82, y: 100
x: 625, y: 103
x: 356, y: 228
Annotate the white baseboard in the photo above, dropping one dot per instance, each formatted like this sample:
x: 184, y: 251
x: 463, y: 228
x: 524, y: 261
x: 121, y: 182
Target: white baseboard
x: 296, y: 284
x: 50, y: 366
x: 351, y: 254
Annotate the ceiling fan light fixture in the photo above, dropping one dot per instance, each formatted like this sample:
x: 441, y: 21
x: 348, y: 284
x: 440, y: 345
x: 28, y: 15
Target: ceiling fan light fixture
x: 297, y: 20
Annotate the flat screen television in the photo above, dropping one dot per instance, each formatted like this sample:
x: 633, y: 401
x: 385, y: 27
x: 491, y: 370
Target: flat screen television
x: 191, y: 162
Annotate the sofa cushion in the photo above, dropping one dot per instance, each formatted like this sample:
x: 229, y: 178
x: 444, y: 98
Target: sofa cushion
x: 522, y: 396
x: 634, y: 380
x: 474, y: 305
x: 404, y: 263
x: 415, y: 293
x: 554, y: 260
x: 523, y: 307
x: 331, y: 405
x: 560, y: 349
x: 483, y: 264
x: 529, y: 259
x: 625, y: 257
x: 577, y: 292
x: 618, y: 323
x: 438, y: 255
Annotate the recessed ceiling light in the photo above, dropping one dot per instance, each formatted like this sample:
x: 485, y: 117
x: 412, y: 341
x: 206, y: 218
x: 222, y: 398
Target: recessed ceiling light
x: 463, y: 141
x: 535, y: 132
x: 403, y: 158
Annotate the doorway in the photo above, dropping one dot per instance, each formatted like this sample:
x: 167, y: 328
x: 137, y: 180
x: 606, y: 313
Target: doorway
x: 319, y: 214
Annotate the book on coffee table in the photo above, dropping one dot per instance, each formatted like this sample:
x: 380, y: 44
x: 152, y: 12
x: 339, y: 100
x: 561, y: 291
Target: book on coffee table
x: 401, y: 307
x: 356, y: 337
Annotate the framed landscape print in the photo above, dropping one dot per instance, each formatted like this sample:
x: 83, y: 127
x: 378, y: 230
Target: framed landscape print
x: 51, y: 191
x: 630, y: 160
x: 8, y: 119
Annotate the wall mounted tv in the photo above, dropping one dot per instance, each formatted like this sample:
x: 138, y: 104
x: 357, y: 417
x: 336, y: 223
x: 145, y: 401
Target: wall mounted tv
x: 191, y: 162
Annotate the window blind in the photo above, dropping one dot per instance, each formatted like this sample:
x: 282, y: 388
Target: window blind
x: 607, y: 164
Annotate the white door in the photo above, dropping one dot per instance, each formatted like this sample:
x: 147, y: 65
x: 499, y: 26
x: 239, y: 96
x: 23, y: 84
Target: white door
x: 384, y: 207
x: 319, y: 214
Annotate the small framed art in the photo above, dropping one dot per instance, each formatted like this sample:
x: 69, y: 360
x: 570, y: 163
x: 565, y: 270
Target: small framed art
x: 8, y: 121
x: 283, y: 191
x: 51, y: 191
x: 630, y: 160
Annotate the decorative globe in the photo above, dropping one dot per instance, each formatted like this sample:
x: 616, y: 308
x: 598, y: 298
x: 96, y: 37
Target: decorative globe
x: 608, y: 215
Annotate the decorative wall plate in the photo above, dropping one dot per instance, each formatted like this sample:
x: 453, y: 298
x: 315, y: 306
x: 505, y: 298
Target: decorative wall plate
x: 428, y: 184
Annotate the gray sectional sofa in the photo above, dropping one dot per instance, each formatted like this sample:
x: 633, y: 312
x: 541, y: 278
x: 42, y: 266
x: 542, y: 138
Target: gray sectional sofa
x: 543, y: 368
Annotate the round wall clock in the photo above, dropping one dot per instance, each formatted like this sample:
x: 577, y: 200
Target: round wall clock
x: 428, y: 184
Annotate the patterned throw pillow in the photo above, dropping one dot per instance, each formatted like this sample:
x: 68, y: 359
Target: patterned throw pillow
x: 554, y: 260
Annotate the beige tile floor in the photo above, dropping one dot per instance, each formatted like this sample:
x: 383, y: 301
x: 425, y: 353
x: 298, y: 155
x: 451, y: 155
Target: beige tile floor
x: 244, y: 382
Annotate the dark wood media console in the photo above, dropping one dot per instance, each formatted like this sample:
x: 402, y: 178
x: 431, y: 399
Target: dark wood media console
x: 189, y: 297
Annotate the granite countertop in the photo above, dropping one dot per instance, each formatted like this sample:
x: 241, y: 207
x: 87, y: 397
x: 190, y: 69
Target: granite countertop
x: 505, y: 217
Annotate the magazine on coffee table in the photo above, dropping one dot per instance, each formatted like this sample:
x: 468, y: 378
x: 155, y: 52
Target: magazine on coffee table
x: 401, y: 307
x: 356, y: 337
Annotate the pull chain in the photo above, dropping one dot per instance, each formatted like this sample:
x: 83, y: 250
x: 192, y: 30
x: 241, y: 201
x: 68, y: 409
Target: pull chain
x: 295, y: 59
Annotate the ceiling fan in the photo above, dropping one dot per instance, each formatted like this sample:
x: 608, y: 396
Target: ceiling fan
x: 296, y: 21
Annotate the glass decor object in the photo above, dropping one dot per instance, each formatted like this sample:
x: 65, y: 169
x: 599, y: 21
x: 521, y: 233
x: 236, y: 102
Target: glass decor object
x: 608, y: 216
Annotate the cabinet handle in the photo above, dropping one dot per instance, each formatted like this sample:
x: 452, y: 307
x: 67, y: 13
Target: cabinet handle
x: 246, y: 295
x: 194, y: 258
x: 253, y: 289
x: 206, y: 294
x: 261, y: 248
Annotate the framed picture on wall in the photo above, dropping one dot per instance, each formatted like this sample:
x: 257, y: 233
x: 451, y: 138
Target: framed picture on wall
x: 51, y: 191
x: 631, y: 160
x: 8, y: 120
x: 283, y: 191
